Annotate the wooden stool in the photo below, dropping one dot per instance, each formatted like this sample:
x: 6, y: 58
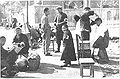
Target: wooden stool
x: 86, y: 62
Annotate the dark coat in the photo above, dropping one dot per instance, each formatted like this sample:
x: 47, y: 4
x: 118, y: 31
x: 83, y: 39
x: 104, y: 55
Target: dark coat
x: 69, y: 50
x: 23, y: 38
x: 86, y: 20
x: 102, y: 43
x: 8, y: 58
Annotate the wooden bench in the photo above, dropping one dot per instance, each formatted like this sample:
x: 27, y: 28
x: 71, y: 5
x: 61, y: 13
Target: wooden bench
x: 86, y: 62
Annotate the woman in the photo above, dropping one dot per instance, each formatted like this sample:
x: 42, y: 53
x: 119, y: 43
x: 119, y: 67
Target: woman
x: 68, y: 52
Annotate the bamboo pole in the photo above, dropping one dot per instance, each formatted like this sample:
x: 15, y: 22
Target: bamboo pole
x: 27, y: 16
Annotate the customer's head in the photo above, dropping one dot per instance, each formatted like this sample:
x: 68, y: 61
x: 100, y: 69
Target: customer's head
x: 18, y: 30
x: 98, y: 21
x: 46, y: 11
x: 59, y: 9
x: 87, y: 9
x: 76, y: 17
x: 2, y: 40
x: 64, y: 28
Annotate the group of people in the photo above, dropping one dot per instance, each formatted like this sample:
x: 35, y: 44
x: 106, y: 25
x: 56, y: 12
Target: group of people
x: 99, y: 37
x: 95, y: 31
x: 62, y: 34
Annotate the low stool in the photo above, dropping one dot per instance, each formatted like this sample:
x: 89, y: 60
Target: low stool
x: 86, y: 62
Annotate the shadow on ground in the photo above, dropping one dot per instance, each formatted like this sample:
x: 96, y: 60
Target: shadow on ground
x: 109, y: 69
x: 46, y: 68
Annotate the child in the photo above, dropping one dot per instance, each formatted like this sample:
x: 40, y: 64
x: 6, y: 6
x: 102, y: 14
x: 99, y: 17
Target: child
x: 68, y: 52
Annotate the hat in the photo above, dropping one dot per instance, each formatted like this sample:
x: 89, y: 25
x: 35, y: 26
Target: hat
x: 87, y: 8
x: 59, y: 7
x: 18, y: 28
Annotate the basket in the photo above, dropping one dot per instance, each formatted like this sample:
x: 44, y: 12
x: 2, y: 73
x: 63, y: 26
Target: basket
x: 34, y: 63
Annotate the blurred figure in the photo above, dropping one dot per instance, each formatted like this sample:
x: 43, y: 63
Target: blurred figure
x: 60, y: 20
x: 34, y: 37
x: 46, y: 31
x: 14, y: 22
x: 19, y: 38
x: 8, y: 59
x: 69, y: 51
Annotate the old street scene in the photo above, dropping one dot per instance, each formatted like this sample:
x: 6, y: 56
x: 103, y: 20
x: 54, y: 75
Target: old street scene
x: 60, y: 39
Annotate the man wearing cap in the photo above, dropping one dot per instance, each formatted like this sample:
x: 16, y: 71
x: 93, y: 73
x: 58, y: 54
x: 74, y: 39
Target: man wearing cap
x: 19, y: 38
x: 60, y: 20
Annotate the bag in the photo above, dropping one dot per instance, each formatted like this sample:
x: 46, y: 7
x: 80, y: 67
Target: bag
x: 34, y: 62
x: 22, y: 64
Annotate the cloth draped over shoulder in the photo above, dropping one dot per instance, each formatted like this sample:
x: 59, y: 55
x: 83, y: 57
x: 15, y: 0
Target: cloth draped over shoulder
x: 101, y: 34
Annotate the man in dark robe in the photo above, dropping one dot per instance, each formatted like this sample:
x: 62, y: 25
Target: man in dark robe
x: 20, y: 37
x: 60, y: 20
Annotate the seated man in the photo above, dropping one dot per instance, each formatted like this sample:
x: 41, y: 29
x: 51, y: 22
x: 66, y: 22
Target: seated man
x: 21, y: 38
x: 7, y: 58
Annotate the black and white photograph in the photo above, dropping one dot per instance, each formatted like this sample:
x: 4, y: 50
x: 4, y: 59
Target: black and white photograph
x: 60, y: 39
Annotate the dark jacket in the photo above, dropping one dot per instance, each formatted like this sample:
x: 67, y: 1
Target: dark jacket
x: 23, y: 38
x: 86, y: 20
x: 69, y: 50
x: 59, y: 33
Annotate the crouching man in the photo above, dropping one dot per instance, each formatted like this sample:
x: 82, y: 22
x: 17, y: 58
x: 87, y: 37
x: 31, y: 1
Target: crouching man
x: 8, y: 59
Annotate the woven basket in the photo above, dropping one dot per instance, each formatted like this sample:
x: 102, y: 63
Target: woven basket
x: 34, y: 63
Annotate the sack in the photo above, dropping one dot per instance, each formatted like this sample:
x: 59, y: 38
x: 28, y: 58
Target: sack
x: 34, y: 62
x: 22, y: 64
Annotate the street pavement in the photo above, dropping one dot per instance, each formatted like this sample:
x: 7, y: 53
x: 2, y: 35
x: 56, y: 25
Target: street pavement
x: 50, y: 65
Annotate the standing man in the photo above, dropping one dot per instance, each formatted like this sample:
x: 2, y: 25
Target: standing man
x: 60, y: 20
x: 46, y: 31
x: 85, y: 21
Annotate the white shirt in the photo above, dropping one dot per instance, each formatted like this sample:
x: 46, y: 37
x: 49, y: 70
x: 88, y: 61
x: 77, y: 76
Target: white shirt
x: 97, y: 31
x: 78, y: 28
